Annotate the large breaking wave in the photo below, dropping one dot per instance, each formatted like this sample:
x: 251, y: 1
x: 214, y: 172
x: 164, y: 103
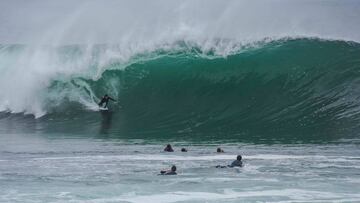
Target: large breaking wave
x: 273, y: 87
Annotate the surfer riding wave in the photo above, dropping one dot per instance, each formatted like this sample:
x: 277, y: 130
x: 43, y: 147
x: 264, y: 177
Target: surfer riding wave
x: 105, y: 100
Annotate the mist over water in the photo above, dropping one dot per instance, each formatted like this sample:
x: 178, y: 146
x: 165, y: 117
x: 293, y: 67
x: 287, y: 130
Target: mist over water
x: 144, y: 23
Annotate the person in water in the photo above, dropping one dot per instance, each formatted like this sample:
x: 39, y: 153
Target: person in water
x: 172, y: 171
x: 105, y: 100
x: 168, y: 148
x: 183, y: 150
x: 236, y: 163
x: 219, y: 150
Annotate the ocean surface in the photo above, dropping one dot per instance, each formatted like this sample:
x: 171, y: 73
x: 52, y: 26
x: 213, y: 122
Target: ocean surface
x: 289, y: 106
x: 36, y: 168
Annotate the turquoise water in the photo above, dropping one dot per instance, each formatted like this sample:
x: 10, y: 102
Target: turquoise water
x: 289, y: 106
x: 290, y: 90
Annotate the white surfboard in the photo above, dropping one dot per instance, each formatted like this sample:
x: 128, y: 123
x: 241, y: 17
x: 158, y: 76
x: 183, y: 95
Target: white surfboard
x: 103, y: 109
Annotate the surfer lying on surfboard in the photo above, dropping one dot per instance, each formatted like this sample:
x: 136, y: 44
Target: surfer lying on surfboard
x: 105, y: 99
x: 172, y: 171
x: 237, y: 163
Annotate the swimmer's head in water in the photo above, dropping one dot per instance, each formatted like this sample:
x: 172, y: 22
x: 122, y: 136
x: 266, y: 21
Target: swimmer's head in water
x: 239, y: 158
x: 219, y: 150
x: 168, y: 148
x: 173, y: 168
x: 183, y: 150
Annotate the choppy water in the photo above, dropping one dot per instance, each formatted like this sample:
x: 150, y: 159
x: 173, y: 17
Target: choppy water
x: 42, y: 169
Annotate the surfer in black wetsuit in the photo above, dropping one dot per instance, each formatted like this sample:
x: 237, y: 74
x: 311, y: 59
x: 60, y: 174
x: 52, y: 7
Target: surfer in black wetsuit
x: 105, y: 100
x: 168, y: 148
x: 172, y: 171
x: 237, y: 163
x: 219, y: 150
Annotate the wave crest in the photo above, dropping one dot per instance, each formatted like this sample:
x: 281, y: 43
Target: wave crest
x: 309, y: 86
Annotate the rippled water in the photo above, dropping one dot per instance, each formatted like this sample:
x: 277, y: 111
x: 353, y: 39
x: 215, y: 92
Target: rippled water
x: 41, y: 169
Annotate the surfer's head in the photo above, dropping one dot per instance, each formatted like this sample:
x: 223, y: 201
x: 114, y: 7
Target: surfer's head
x: 239, y: 158
x: 168, y: 148
x: 219, y: 150
x: 173, y: 168
x: 106, y: 95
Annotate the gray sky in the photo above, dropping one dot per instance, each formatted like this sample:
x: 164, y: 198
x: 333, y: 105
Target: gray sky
x: 121, y: 21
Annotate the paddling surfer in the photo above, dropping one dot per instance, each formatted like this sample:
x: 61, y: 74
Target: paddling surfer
x: 172, y: 171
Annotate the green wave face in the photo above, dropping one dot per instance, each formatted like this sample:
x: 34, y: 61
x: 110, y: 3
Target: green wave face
x: 287, y: 91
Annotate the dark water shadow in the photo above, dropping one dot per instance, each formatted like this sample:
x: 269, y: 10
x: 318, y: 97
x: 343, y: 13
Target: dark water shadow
x: 106, y: 122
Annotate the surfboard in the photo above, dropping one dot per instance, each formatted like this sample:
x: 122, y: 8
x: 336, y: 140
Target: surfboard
x: 103, y: 109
